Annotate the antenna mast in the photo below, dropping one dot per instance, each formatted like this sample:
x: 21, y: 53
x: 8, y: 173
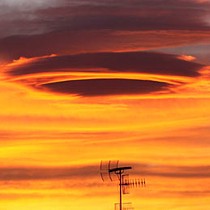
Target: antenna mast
x: 111, y: 169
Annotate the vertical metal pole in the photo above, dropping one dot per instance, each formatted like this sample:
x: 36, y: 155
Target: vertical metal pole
x: 120, y: 190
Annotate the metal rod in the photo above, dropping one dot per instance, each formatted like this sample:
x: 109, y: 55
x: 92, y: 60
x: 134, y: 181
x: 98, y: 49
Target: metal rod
x: 121, y: 189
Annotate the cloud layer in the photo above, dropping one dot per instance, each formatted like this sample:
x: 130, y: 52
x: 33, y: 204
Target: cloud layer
x: 136, y: 62
x: 107, y: 62
x: 92, y: 171
x: 100, y: 87
x: 82, y: 26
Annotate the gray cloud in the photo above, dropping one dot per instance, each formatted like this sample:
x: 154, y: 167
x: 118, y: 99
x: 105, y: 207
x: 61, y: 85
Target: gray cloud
x: 127, y: 16
x: 19, y: 17
x: 60, y: 26
x: 131, y: 19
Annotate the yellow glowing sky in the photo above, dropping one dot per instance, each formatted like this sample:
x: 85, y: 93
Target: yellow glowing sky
x: 58, y: 122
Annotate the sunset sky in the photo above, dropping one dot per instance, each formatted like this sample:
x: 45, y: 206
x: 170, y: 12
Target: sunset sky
x: 89, y: 80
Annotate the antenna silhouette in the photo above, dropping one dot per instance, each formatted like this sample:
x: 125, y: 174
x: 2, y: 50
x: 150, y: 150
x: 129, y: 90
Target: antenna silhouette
x: 111, y: 170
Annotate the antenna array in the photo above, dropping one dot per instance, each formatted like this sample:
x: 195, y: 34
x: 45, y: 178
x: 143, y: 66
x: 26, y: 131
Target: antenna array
x: 110, y: 170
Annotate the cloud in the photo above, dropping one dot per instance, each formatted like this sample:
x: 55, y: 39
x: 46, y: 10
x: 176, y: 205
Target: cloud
x: 92, y: 171
x: 149, y: 20
x: 71, y: 42
x: 136, y: 62
x: 105, y: 62
x: 19, y: 16
x: 25, y: 5
x: 122, y: 15
x: 200, y: 51
x: 79, y: 26
x: 172, y: 171
x: 24, y: 173
x: 96, y: 87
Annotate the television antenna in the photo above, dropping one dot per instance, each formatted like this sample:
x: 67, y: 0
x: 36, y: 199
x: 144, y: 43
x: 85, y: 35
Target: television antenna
x: 111, y: 170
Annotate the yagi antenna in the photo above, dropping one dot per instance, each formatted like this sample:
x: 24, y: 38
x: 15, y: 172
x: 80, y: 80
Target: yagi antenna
x: 105, y: 169
x: 110, y: 170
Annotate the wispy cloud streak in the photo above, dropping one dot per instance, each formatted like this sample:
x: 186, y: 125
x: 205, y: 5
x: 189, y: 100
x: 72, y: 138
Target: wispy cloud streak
x: 92, y: 172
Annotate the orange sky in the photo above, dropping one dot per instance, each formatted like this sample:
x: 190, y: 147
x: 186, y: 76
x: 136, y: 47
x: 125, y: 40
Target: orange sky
x: 85, y: 81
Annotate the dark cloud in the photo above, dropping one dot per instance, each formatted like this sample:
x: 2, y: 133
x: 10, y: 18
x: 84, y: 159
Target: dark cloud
x: 47, y: 173
x: 65, y: 42
x: 150, y: 20
x: 124, y: 15
x: 138, y: 62
x: 172, y: 171
x: 74, y: 27
x: 141, y: 3
x: 74, y: 42
x: 79, y: 26
x: 96, y: 87
x: 92, y: 171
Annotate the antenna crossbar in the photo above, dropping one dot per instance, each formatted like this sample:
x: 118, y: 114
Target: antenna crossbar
x: 119, y: 169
